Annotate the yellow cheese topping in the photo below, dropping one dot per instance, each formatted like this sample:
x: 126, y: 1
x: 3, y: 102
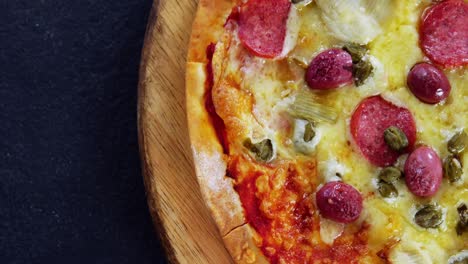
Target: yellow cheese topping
x: 393, y: 50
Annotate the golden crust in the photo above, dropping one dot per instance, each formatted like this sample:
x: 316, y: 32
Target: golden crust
x: 217, y: 189
x: 245, y: 250
x: 208, y: 156
x: 210, y: 164
x: 207, y: 26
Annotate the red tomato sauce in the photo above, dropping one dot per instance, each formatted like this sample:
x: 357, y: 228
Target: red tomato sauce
x: 215, y: 119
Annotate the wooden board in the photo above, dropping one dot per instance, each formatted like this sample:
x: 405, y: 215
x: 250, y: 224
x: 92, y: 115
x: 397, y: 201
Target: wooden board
x: 187, y: 230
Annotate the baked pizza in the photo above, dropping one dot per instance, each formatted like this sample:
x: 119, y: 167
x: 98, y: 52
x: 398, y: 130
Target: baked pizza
x: 332, y: 131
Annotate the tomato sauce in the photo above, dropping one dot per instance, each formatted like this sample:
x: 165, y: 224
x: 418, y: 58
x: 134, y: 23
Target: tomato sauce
x: 300, y: 225
x: 215, y: 119
x: 285, y: 221
x: 246, y: 190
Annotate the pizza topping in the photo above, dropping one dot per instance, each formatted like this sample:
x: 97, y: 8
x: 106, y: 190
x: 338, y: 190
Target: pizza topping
x: 301, y: 3
x: 428, y: 83
x: 306, y: 107
x: 330, y: 230
x: 368, y: 123
x: 390, y: 174
x: 356, y: 51
x: 423, y: 172
x: 332, y: 170
x: 262, y: 150
x: 409, y: 252
x: 462, y: 225
x: 452, y: 168
x: 330, y: 69
x: 309, y: 132
x: 459, y: 258
x: 457, y: 143
x: 361, y: 71
x: 387, y: 177
x: 305, y: 136
x: 268, y: 28
x: 387, y: 190
x: 299, y: 61
x: 395, y: 138
x: 355, y: 21
x: 362, y: 67
x: 429, y: 216
x: 339, y: 202
x: 444, y: 33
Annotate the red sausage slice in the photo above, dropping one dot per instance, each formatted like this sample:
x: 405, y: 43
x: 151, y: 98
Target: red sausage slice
x: 331, y: 69
x: 339, y: 202
x: 263, y: 26
x: 368, y: 123
x: 423, y: 172
x: 428, y: 83
x: 444, y: 33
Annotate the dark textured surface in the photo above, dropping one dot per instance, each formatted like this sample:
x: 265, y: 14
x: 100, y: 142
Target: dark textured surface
x: 71, y: 189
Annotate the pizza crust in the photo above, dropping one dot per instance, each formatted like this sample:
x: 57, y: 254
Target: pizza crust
x: 210, y: 165
x: 207, y: 26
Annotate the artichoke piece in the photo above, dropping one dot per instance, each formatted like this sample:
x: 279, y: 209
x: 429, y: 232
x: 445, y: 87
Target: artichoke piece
x: 459, y: 258
x: 306, y: 107
x: 429, y: 216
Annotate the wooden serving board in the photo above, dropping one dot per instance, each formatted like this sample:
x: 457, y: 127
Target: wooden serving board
x: 187, y: 230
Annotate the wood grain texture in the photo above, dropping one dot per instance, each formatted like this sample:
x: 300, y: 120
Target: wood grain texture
x: 187, y: 230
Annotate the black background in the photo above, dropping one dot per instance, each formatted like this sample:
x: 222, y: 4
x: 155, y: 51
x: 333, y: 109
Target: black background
x: 71, y: 189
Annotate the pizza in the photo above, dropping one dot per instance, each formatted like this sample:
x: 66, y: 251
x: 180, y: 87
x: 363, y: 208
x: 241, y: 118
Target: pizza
x: 332, y: 131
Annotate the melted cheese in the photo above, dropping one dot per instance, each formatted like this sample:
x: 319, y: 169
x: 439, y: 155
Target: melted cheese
x: 273, y: 85
x: 396, y: 52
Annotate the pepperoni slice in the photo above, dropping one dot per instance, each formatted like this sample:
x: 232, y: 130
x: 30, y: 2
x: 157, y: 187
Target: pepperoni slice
x: 444, y: 33
x: 262, y: 26
x: 368, y: 123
